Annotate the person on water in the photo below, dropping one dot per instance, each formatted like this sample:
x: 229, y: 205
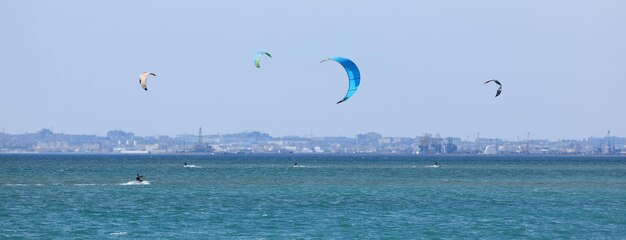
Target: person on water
x: 139, y: 178
x: 436, y: 164
x: 295, y: 164
x: 185, y: 163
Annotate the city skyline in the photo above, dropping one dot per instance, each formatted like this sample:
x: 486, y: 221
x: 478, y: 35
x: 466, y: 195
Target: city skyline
x: 117, y: 141
x: 208, y: 132
x: 72, y: 66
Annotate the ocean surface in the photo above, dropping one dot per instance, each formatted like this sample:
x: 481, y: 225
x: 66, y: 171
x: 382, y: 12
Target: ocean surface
x: 326, y: 197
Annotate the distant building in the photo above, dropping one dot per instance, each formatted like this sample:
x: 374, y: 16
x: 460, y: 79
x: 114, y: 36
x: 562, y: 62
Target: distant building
x: 450, y: 147
x: 368, y: 138
x: 201, y: 147
x: 118, y: 136
x: 430, y: 145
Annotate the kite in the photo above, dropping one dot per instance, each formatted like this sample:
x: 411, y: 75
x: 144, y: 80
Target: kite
x: 499, y: 86
x: 257, y: 58
x: 143, y: 79
x: 354, y: 76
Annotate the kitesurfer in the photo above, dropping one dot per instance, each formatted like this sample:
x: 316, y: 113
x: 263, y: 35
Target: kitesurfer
x: 139, y: 178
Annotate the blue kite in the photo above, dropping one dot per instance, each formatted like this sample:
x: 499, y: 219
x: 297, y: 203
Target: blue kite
x: 354, y: 76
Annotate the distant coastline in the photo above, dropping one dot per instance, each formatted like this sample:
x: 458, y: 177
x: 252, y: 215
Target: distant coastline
x: 247, y: 143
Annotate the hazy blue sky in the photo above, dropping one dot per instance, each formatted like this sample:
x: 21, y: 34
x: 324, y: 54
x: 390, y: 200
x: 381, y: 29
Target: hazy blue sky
x: 73, y: 66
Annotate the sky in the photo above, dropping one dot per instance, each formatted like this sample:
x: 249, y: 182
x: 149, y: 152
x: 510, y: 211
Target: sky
x: 73, y: 66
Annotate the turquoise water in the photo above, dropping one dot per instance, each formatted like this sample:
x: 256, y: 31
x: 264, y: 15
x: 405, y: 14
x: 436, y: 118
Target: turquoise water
x: 340, y: 197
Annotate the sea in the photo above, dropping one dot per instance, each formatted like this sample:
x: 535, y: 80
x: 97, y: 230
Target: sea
x: 70, y: 196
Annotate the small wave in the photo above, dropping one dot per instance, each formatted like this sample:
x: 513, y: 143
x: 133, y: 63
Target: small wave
x: 305, y: 166
x: 118, y: 233
x: 192, y: 166
x: 433, y: 166
x: 16, y: 184
x: 136, y: 183
x: 23, y: 184
x: 85, y: 184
